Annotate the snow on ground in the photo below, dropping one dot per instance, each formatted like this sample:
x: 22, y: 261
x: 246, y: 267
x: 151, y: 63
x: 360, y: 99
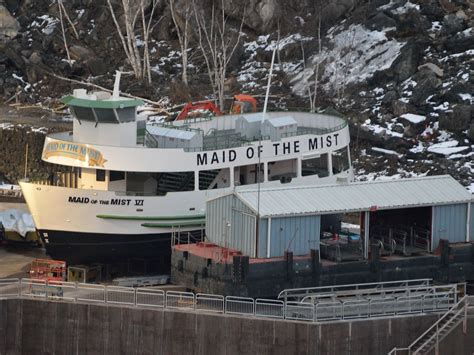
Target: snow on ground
x: 47, y: 23
x: 405, y: 8
x: 413, y: 118
x: 377, y: 129
x: 447, y: 148
x: 355, y: 54
x: 253, y: 71
x: 386, y: 151
x: 466, y: 97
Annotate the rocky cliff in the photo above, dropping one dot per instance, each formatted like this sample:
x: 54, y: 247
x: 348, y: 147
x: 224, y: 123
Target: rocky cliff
x: 401, y: 70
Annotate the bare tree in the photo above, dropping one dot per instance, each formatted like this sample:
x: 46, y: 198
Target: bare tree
x: 181, y: 24
x: 134, y: 16
x: 64, y: 32
x: 218, y: 44
x: 313, y: 91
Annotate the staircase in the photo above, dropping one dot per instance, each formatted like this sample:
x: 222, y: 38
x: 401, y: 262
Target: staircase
x: 430, y: 339
x: 171, y: 182
x: 207, y: 179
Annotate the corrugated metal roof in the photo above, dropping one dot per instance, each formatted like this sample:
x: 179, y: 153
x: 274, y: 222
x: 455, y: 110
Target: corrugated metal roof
x: 170, y: 132
x: 282, y: 121
x: 353, y: 197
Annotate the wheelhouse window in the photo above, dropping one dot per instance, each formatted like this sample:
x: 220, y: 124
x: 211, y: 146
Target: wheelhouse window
x: 105, y: 115
x: 82, y: 113
x: 315, y: 166
x: 340, y: 160
x: 214, y: 179
x: 126, y: 114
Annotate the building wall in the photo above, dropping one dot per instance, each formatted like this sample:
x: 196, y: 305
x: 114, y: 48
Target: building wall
x: 449, y: 222
x: 471, y: 225
x: 240, y: 234
x: 298, y: 234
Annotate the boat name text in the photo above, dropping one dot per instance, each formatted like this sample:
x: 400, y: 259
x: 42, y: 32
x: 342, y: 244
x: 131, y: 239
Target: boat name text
x: 80, y: 152
x: 279, y: 148
x: 112, y: 201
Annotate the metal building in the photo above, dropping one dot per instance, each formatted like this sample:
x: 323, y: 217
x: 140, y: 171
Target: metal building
x: 249, y: 126
x: 167, y: 137
x: 291, y: 218
x: 279, y: 127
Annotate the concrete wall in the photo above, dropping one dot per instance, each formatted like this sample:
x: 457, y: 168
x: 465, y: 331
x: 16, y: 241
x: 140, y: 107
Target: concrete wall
x: 38, y: 327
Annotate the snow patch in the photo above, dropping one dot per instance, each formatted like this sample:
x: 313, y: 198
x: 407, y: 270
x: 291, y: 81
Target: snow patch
x: 466, y: 97
x: 447, y: 148
x: 355, y: 54
x: 386, y: 151
x: 415, y: 119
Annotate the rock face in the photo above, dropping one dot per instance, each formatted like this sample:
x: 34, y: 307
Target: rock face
x: 9, y: 26
x: 12, y: 154
x: 380, y: 60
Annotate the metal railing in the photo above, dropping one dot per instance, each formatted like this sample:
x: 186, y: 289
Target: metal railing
x: 297, y: 294
x: 326, y: 310
x: 439, y: 330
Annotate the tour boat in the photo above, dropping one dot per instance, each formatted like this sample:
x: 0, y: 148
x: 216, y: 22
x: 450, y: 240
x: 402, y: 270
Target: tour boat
x: 124, y: 187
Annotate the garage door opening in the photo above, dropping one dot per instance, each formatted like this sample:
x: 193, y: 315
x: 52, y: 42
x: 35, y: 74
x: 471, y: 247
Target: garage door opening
x: 404, y: 231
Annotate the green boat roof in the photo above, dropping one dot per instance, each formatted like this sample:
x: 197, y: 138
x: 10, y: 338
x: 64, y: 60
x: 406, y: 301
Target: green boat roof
x: 107, y: 104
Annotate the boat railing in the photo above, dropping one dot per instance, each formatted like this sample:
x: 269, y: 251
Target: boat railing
x: 62, y: 179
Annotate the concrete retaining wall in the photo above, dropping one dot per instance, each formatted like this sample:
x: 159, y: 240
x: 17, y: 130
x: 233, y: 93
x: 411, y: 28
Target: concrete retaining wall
x: 39, y: 327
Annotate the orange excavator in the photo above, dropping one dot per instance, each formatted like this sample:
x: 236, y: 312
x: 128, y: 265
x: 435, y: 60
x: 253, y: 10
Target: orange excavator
x: 207, y: 106
x: 243, y: 104
x: 240, y: 104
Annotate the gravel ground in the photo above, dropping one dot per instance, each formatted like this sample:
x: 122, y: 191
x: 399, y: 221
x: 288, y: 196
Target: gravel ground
x: 15, y: 259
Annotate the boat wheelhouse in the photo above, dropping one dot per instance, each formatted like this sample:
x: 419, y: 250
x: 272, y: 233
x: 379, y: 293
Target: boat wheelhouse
x: 129, y: 185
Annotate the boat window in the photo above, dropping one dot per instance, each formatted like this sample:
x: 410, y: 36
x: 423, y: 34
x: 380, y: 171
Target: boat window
x: 247, y: 174
x: 214, y: 179
x: 116, y: 175
x: 82, y: 113
x: 100, y: 175
x: 283, y: 170
x: 340, y: 160
x: 315, y: 166
x: 105, y: 115
x: 126, y: 114
x: 140, y: 184
x: 175, y: 182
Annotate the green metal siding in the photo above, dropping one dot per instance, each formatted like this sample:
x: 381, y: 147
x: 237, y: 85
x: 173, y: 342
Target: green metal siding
x: 449, y: 222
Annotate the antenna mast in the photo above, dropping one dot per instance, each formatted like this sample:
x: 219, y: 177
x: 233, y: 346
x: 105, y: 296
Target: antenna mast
x: 264, y: 113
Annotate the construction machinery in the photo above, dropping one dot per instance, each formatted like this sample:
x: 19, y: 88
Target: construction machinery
x: 203, y: 106
x: 241, y: 104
